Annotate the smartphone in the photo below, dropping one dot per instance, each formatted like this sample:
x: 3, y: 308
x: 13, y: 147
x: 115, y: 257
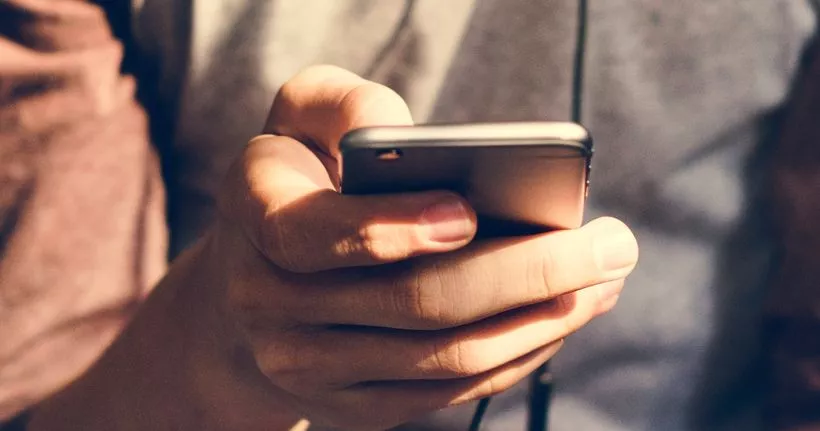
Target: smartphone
x: 521, y: 178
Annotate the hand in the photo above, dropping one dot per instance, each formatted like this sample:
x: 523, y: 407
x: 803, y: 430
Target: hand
x: 350, y: 306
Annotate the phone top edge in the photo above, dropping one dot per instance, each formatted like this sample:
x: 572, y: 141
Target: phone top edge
x: 582, y: 149
x: 482, y: 134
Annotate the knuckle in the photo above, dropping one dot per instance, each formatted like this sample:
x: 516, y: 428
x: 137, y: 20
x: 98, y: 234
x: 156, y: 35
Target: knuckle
x: 263, y: 215
x: 280, y: 234
x: 258, y: 308
x: 382, y: 242
x: 274, y: 242
x: 368, y: 96
x: 287, y: 99
x: 367, y: 93
x: 311, y: 74
x: 286, y: 96
x: 376, y: 243
x: 463, y: 358
x: 402, y: 296
x: 291, y: 366
x: 542, y: 281
x: 421, y: 298
x: 493, y: 385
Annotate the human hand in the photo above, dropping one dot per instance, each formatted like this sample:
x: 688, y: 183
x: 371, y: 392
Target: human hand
x: 365, y: 311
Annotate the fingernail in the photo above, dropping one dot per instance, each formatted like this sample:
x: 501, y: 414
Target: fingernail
x: 616, y: 251
x: 447, y: 222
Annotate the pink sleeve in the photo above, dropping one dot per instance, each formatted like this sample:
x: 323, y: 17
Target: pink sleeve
x: 82, y: 233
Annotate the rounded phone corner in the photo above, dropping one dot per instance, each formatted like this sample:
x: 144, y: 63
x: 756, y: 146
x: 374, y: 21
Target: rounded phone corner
x: 353, y: 140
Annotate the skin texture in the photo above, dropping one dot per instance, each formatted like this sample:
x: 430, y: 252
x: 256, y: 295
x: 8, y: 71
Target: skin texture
x: 353, y: 312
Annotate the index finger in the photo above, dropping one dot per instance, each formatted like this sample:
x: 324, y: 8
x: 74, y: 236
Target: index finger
x: 322, y: 103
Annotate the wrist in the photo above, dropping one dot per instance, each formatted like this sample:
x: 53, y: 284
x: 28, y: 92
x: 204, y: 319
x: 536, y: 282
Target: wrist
x: 172, y: 368
x: 221, y: 372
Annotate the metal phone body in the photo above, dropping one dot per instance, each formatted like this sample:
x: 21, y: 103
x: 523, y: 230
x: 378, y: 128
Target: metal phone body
x: 519, y: 177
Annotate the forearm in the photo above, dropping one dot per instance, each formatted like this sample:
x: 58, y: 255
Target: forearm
x: 172, y: 369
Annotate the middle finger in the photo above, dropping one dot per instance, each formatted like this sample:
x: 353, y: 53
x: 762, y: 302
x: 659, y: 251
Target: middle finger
x: 436, y: 292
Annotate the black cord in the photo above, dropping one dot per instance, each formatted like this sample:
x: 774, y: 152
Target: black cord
x: 541, y: 382
x: 539, y: 398
x: 578, y: 63
x: 479, y: 414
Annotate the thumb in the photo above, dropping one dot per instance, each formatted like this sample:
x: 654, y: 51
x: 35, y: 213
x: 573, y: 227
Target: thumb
x: 321, y: 104
x: 304, y: 226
